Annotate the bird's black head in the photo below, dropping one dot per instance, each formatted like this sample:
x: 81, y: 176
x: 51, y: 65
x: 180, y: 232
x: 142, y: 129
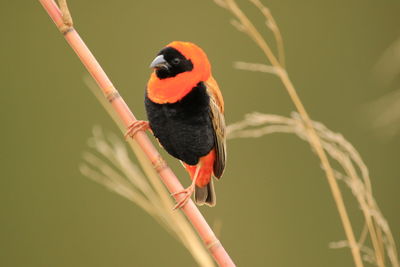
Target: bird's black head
x: 170, y: 62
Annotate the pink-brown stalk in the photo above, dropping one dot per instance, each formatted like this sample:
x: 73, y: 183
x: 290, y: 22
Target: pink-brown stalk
x: 167, y: 176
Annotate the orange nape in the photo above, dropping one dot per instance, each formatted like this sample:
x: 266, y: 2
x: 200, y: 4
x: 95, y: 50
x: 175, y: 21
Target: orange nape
x: 206, y: 169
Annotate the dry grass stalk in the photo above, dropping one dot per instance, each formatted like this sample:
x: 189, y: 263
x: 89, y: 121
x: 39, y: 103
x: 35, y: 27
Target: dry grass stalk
x: 354, y: 174
x: 387, y: 68
x: 160, y: 201
x: 110, y: 165
x: 385, y: 114
x: 378, y: 230
x: 385, y: 111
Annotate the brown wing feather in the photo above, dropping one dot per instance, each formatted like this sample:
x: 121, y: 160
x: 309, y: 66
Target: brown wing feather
x: 218, y: 120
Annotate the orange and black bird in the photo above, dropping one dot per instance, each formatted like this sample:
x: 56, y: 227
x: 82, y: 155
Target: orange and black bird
x: 185, y: 110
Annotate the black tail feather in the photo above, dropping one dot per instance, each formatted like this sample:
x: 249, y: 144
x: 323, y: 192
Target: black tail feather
x: 205, y: 195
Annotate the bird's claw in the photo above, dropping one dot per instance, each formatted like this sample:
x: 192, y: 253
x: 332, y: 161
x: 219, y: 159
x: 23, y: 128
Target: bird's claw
x: 135, y: 127
x: 188, y: 193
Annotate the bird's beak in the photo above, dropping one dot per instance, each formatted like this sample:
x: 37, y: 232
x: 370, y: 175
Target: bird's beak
x: 159, y: 62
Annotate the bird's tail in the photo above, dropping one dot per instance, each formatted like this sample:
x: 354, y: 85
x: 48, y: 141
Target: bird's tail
x: 204, y: 191
x: 205, y: 195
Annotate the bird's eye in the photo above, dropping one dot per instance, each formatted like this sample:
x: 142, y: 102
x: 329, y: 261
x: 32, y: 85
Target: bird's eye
x: 176, y: 61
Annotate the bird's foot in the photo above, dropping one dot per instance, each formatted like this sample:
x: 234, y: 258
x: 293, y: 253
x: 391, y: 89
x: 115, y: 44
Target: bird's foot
x: 187, y: 194
x: 67, y: 24
x: 135, y: 127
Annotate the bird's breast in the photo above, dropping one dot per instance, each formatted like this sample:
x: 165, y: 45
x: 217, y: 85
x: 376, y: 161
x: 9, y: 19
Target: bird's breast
x: 183, y: 128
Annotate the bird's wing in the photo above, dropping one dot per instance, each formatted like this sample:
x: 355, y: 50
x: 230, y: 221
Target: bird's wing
x: 218, y: 121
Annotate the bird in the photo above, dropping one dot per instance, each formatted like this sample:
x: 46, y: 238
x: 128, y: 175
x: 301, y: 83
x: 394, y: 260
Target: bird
x: 185, y: 111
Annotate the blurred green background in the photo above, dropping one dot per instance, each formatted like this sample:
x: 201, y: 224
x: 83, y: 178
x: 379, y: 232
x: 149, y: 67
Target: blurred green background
x: 273, y: 201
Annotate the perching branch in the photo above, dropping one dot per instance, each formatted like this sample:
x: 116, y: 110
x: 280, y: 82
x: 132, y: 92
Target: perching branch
x: 126, y: 116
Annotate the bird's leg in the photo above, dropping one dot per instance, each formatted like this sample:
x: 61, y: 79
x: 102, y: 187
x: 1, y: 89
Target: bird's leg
x: 67, y: 24
x: 135, y: 127
x: 187, y: 191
